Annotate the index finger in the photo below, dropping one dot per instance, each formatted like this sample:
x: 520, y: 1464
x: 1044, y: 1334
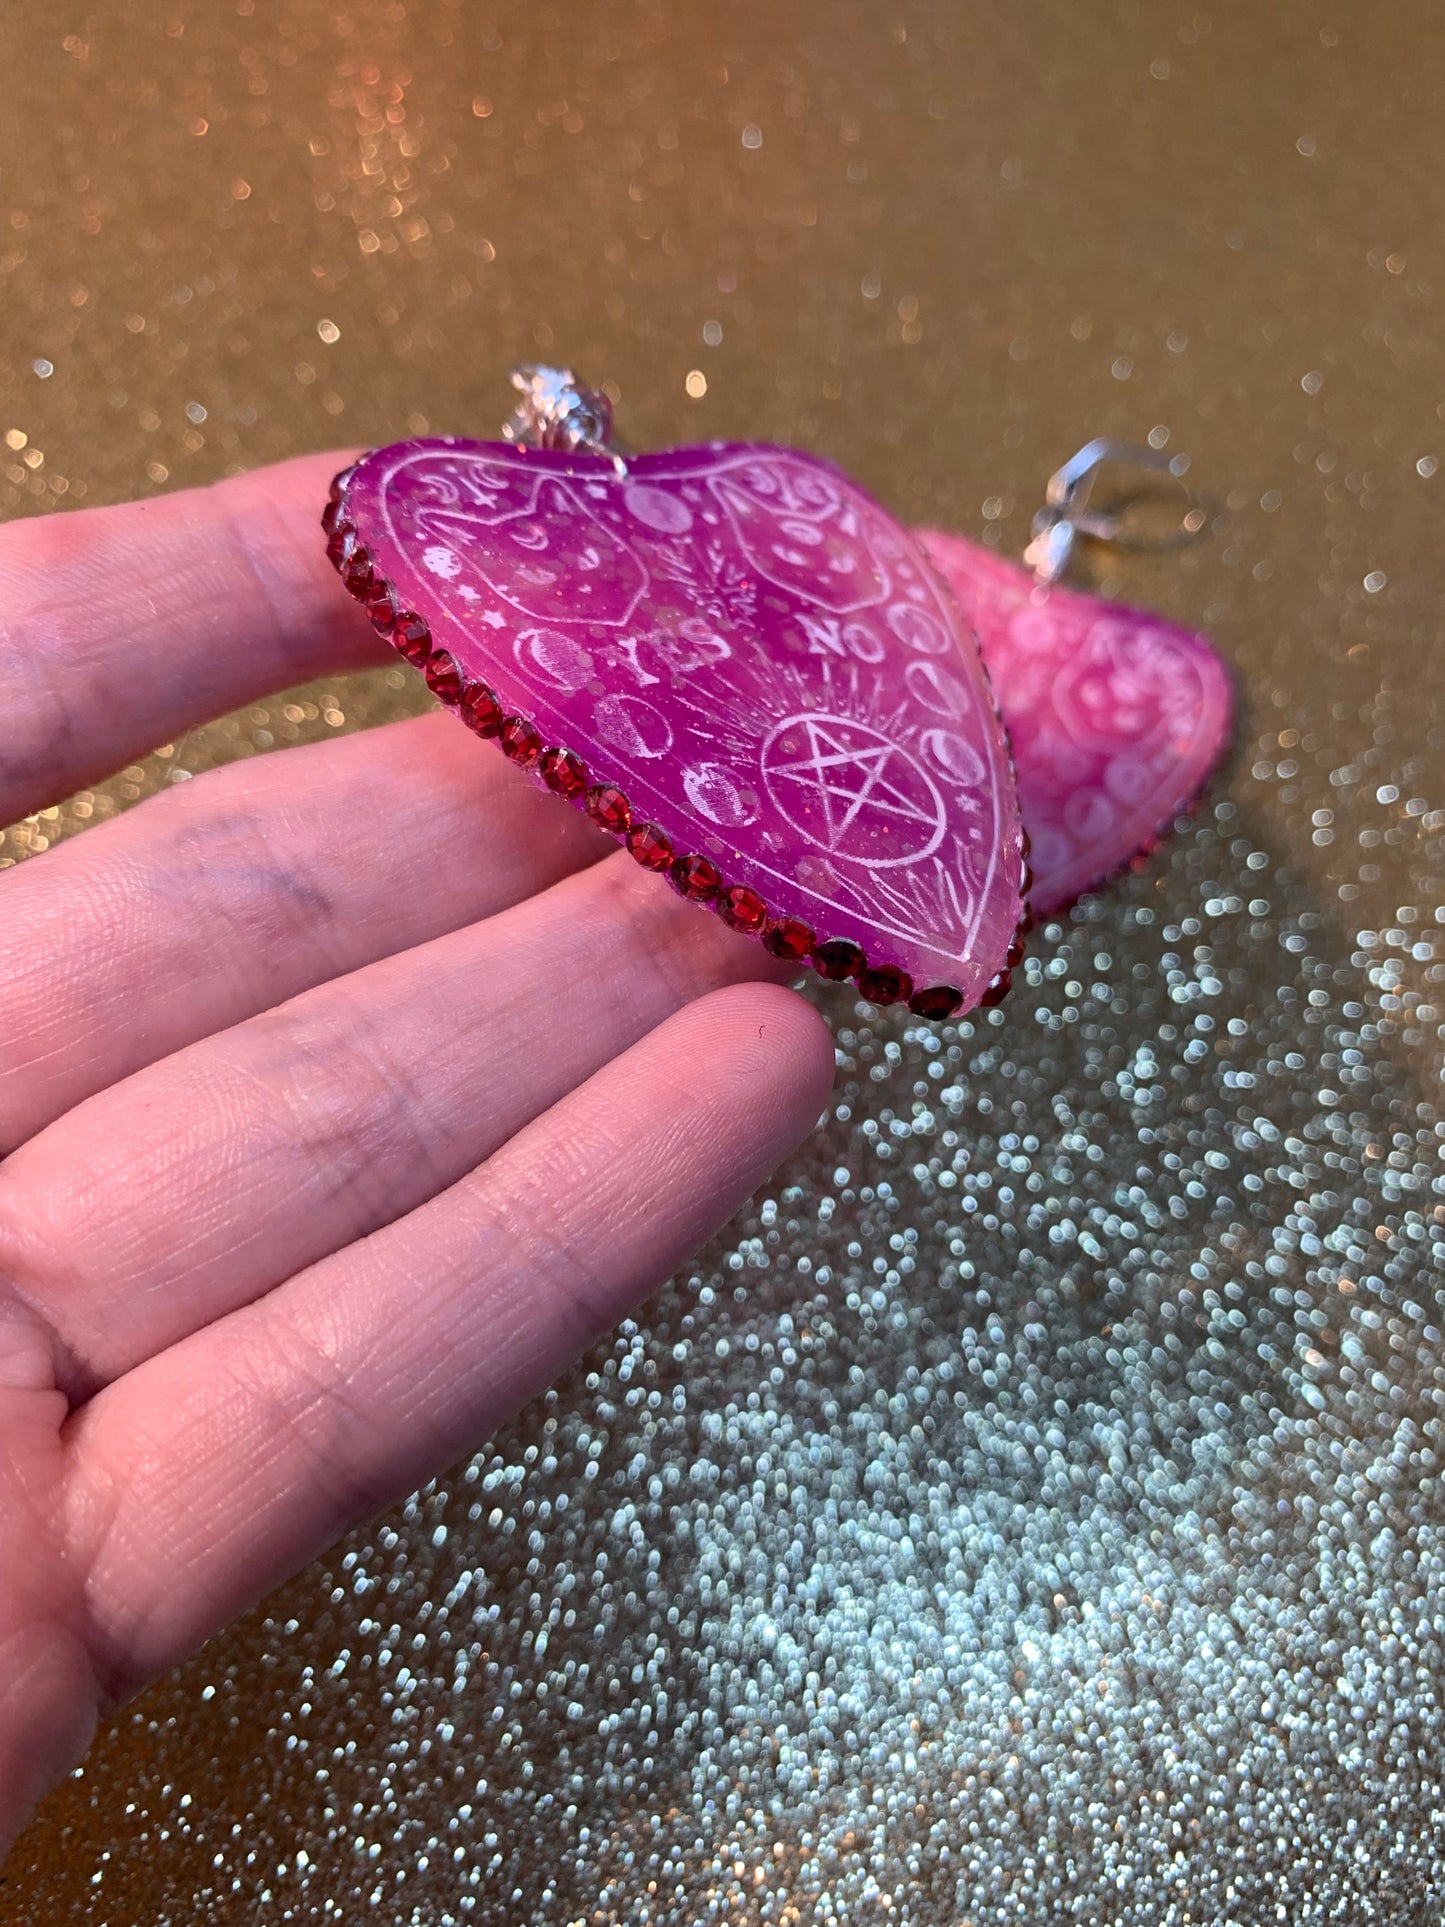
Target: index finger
x: 121, y: 627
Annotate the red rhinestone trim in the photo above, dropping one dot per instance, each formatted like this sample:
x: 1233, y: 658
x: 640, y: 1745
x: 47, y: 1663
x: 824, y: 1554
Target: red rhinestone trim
x: 789, y: 939
x: 885, y: 984
x: 481, y: 711
x: 381, y: 606
x: 608, y: 808
x: 649, y: 846
x: 521, y: 743
x: 412, y: 639
x: 695, y: 878
x: 838, y: 960
x: 742, y: 909
x: 997, y: 990
x: 937, y: 1003
x: 563, y: 773
x: 356, y: 573
x: 443, y: 678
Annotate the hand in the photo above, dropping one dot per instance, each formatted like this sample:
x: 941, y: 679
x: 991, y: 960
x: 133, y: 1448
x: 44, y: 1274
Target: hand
x: 345, y: 1094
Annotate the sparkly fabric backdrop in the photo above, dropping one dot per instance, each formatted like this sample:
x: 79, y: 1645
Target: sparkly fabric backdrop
x: 1030, y: 1509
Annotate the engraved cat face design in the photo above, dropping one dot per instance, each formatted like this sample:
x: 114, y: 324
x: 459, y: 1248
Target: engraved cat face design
x: 740, y: 665
x: 535, y: 544
x: 799, y: 532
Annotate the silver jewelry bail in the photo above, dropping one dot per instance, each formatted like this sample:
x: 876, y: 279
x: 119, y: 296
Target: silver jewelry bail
x: 1067, y: 515
x: 558, y: 411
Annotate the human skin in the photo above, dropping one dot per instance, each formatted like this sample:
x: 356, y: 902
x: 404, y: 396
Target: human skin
x: 345, y: 1094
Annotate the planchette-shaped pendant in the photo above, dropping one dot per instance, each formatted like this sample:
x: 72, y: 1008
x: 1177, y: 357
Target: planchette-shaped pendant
x: 737, y: 663
x: 1116, y: 716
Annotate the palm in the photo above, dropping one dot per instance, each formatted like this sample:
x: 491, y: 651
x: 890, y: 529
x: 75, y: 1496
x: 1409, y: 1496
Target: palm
x: 343, y: 1096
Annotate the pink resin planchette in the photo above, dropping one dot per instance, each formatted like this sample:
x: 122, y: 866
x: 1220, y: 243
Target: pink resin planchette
x: 736, y: 661
x: 1116, y: 716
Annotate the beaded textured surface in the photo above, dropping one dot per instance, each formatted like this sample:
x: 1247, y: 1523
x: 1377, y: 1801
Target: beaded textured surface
x: 1029, y: 1511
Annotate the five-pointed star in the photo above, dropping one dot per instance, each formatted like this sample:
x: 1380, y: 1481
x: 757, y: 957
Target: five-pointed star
x: 841, y: 801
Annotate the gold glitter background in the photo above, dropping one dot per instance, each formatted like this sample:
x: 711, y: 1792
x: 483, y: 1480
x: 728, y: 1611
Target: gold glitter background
x: 1090, y: 1564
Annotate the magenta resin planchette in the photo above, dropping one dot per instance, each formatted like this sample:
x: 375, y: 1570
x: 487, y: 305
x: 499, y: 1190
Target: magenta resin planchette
x: 1116, y: 717
x: 737, y: 663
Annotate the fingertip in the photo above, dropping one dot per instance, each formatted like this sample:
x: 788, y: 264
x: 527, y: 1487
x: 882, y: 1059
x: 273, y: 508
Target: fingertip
x: 777, y: 1050
x: 300, y: 480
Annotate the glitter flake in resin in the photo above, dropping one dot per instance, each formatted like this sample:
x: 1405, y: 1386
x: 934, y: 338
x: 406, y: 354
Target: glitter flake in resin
x: 747, y: 647
x: 1116, y: 716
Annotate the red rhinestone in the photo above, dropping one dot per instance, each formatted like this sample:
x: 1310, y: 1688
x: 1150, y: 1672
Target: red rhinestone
x: 608, y: 808
x: 885, y: 984
x: 521, y: 742
x: 838, y: 959
x: 695, y: 878
x: 997, y: 990
x: 357, y: 573
x: 650, y: 847
x: 381, y: 606
x: 338, y: 486
x: 412, y: 638
x: 333, y: 515
x: 481, y: 711
x: 1026, y: 878
x: 742, y: 909
x: 789, y: 939
x: 938, y: 1002
x: 341, y: 545
x: 1016, y: 949
x: 442, y: 677
x: 563, y: 773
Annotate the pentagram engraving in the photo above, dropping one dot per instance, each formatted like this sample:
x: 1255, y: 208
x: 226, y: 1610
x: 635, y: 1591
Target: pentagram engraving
x: 852, y: 791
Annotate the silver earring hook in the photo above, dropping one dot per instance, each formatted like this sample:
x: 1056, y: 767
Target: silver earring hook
x: 558, y: 411
x: 1067, y: 514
